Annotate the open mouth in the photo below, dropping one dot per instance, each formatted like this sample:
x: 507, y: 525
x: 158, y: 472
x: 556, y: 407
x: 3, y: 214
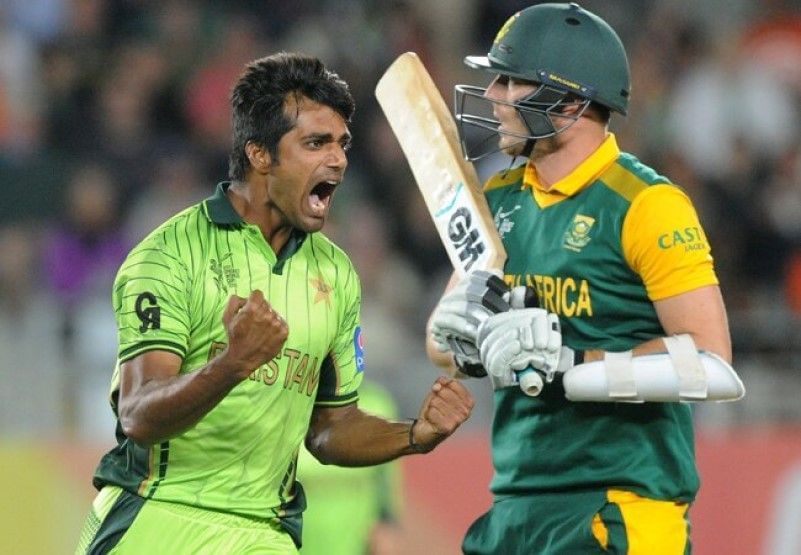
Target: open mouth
x: 320, y: 196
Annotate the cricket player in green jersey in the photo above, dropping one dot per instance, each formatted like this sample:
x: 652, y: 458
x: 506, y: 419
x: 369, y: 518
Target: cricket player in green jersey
x: 628, y: 326
x: 239, y: 339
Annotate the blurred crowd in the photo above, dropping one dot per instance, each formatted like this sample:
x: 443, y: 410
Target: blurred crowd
x: 114, y: 115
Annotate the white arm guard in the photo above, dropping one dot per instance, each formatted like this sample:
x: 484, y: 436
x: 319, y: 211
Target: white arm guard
x: 681, y: 374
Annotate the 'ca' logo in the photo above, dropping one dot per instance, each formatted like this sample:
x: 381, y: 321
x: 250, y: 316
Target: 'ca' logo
x: 150, y: 316
x: 466, y: 240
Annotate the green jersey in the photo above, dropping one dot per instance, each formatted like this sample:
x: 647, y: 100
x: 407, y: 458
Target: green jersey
x: 599, y: 247
x: 170, y: 295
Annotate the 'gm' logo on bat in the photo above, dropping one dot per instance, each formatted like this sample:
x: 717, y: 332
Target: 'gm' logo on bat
x: 464, y: 237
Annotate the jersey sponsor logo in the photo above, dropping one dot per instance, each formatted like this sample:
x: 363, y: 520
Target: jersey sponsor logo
x: 566, y: 296
x: 225, y: 275
x: 688, y: 238
x: 465, y: 239
x: 358, y: 348
x: 148, y: 311
x: 503, y: 222
x: 301, y: 370
x: 578, y: 234
x: 323, y: 290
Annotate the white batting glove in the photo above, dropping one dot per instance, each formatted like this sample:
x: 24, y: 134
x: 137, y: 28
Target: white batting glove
x: 518, y: 339
x: 459, y: 313
x: 510, y: 379
x: 466, y: 356
x: 454, y: 325
x: 526, y: 297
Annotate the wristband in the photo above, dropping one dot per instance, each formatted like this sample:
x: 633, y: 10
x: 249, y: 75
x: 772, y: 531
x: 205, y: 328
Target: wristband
x: 416, y: 447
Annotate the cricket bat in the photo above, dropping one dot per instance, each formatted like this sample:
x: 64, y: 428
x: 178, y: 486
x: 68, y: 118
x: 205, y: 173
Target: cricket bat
x: 427, y: 134
x: 449, y: 184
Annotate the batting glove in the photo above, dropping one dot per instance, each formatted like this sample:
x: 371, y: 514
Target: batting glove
x: 517, y: 339
x: 454, y: 325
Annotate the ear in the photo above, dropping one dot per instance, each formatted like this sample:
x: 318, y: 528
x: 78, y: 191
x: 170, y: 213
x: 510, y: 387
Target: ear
x: 258, y: 156
x: 570, y: 109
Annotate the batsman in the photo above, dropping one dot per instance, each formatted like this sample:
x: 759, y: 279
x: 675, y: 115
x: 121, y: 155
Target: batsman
x: 612, y: 300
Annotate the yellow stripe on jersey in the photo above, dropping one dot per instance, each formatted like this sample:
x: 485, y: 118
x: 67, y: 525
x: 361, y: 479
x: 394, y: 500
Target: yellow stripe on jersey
x: 653, y: 527
x: 503, y: 179
x: 623, y: 182
x: 152, y: 466
x: 664, y: 243
x: 600, y: 531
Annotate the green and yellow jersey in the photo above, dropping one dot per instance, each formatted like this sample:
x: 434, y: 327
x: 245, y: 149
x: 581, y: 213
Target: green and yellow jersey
x: 170, y: 295
x: 599, y: 246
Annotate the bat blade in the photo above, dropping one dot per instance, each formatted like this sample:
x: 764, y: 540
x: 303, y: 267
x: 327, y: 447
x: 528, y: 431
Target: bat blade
x: 427, y: 133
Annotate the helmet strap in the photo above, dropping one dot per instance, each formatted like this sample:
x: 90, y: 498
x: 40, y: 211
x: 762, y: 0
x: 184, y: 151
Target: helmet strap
x: 511, y: 164
x: 529, y: 146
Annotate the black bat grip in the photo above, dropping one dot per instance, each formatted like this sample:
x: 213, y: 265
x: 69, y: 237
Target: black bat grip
x: 531, y: 299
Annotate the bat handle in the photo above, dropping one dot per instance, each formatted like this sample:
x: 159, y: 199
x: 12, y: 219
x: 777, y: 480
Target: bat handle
x: 530, y: 382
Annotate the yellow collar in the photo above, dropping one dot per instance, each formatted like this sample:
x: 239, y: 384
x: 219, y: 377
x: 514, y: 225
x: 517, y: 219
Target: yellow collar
x: 581, y: 176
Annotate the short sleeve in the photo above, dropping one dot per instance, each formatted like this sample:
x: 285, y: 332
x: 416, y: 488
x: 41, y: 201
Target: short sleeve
x: 150, y: 302
x: 664, y: 243
x: 343, y: 368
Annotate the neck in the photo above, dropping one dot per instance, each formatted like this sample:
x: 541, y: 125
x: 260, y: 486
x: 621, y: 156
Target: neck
x: 252, y: 202
x: 555, y: 158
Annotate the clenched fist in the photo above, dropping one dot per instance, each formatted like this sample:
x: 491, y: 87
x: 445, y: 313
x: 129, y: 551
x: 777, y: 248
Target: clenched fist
x: 448, y: 405
x: 256, y: 332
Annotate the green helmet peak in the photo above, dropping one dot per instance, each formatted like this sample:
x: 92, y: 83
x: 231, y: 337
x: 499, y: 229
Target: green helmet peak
x: 564, y: 46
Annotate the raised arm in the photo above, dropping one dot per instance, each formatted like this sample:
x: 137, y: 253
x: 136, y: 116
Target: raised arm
x: 347, y: 436
x: 156, y: 402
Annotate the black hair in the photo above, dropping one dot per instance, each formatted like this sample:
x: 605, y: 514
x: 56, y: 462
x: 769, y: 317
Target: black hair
x: 259, y: 98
